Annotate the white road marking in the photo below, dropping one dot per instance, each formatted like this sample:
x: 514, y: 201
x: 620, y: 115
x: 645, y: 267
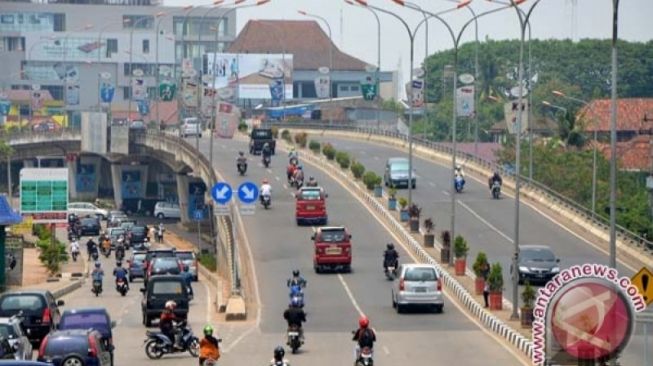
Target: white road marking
x: 432, y: 184
x: 285, y: 186
x: 377, y: 158
x: 508, y: 238
x: 278, y: 179
x: 386, y: 350
x: 269, y: 171
x: 445, y: 193
x: 351, y: 296
x: 208, y: 301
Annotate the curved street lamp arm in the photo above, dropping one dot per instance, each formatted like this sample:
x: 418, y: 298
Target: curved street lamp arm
x: 410, y: 32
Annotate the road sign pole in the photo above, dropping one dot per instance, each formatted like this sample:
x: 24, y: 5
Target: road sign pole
x: 199, y: 236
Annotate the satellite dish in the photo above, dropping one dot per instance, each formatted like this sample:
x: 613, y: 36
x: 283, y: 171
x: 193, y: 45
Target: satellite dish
x: 105, y: 75
x: 207, y: 78
x: 323, y: 70
x: 466, y: 78
x: 36, y: 87
x: 515, y: 92
x: 225, y: 93
x: 137, y: 72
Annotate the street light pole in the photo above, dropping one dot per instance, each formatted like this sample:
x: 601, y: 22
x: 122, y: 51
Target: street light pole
x: 613, y: 140
x: 131, y: 59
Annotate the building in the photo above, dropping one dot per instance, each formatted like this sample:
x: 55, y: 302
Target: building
x: 70, y: 48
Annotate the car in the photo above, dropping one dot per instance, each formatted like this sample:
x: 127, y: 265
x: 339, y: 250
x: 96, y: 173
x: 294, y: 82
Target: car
x: 115, y: 233
x: 164, y: 210
x: 164, y: 265
x: 127, y: 225
x: 396, y: 173
x: 115, y: 218
x: 189, y: 258
x: 332, y: 248
x: 38, y: 309
x: 137, y: 125
x: 12, y: 330
x: 536, y: 264
x: 259, y: 137
x: 191, y: 126
x: 160, y: 289
x: 90, y: 226
x: 417, y: 284
x: 159, y: 253
x: 23, y: 363
x: 310, y: 206
x: 136, y: 265
x: 137, y: 236
x: 74, y: 347
x: 82, y: 209
x: 90, y: 318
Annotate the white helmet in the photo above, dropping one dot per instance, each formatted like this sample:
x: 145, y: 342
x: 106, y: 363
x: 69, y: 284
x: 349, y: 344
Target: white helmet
x: 170, y: 305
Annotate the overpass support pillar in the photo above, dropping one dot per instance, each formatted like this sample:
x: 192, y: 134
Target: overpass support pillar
x: 182, y: 193
x: 116, y: 179
x: 72, y: 183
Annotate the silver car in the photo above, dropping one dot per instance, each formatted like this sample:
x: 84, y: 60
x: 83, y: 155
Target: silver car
x: 418, y: 284
x: 189, y: 258
x: 11, y: 330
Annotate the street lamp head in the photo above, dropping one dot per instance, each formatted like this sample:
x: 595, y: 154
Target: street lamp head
x: 362, y: 2
x: 160, y: 14
x: 349, y: 2
x: 400, y: 2
x: 239, y: 2
x: 547, y: 103
x: 262, y: 2
x: 463, y: 4
x: 302, y: 12
x: 187, y: 7
x: 218, y: 2
x: 558, y: 93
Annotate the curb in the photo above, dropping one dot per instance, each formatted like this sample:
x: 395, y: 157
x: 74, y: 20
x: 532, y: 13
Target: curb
x: 488, y: 319
x: 68, y: 288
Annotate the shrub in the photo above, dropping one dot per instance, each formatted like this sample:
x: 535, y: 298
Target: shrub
x: 343, y: 159
x: 275, y: 132
x: 242, y: 126
x: 528, y: 296
x: 481, y: 266
x: 429, y: 225
x: 460, y: 247
x: 403, y: 202
x: 414, y: 210
x: 285, y: 134
x: 371, y: 180
x: 314, y: 146
x: 357, y: 169
x: 329, y: 151
x: 208, y: 260
x: 301, y: 138
x: 392, y: 193
x: 52, y: 254
x: 495, y: 279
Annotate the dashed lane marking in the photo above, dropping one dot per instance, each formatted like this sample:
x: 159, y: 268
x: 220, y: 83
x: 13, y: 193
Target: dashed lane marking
x: 350, y: 295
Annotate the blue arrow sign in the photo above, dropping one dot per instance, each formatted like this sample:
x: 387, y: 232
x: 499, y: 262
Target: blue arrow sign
x: 221, y: 193
x: 247, y: 192
x: 198, y: 215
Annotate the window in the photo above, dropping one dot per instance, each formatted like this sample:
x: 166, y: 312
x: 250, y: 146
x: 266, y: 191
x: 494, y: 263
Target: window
x: 126, y: 92
x: 138, y: 21
x: 13, y: 43
x: 420, y: 274
x: 354, y: 88
x: 167, y: 287
x: 112, y: 47
x: 59, y: 22
x: 146, y: 46
x: 344, y: 88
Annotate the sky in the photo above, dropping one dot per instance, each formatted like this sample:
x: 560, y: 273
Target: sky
x: 354, y: 29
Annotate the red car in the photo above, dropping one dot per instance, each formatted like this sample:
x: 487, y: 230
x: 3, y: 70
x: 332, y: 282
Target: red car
x: 332, y: 249
x: 310, y: 206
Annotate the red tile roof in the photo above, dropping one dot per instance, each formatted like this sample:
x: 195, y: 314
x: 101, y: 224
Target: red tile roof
x: 304, y: 39
x: 633, y: 155
x: 630, y: 114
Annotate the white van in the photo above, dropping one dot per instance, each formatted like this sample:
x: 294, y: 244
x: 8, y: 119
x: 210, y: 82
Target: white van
x: 191, y: 126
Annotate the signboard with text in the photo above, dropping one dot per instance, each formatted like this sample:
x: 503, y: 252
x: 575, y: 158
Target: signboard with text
x: 44, y: 194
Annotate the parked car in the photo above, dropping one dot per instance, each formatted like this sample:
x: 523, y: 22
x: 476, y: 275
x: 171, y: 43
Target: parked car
x: 191, y: 126
x: 418, y: 284
x: 90, y: 226
x: 136, y: 265
x: 83, y: 209
x: 162, y: 266
x: 74, y: 347
x: 159, y: 290
x: 12, y: 331
x: 536, y: 264
x: 90, y: 318
x: 189, y: 258
x: 23, y: 363
x: 396, y: 173
x: 40, y: 311
x: 164, y: 210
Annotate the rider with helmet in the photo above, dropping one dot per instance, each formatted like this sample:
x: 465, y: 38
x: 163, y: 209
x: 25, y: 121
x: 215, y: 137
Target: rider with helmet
x: 496, y: 177
x: 266, y: 189
x: 241, y: 159
x: 266, y: 151
x: 278, y: 359
x: 98, y: 274
x: 209, y: 346
x: 312, y: 182
x: 390, y: 256
x: 292, y: 167
x: 121, y: 274
x: 296, y: 279
x: 295, y: 316
x: 167, y: 322
x: 299, y: 173
x: 364, y: 336
x: 458, y: 172
x: 188, y: 279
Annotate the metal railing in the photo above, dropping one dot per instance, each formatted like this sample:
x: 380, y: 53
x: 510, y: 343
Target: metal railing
x: 623, y: 234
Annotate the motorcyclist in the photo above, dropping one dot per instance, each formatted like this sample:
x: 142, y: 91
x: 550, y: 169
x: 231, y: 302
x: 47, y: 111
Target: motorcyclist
x: 295, y: 316
x: 74, y: 249
x: 496, y: 177
x: 296, y: 279
x: 98, y: 274
x: 312, y: 182
x: 278, y: 359
x: 390, y: 256
x: 266, y: 189
x: 209, y: 346
x: 293, y: 155
x: 167, y: 322
x: 188, y: 278
x: 290, y: 171
x: 91, y: 248
x: 458, y: 172
x: 106, y: 244
x: 364, y: 336
x: 266, y: 151
x: 120, y: 250
x: 121, y: 274
x: 159, y: 233
x: 299, y: 173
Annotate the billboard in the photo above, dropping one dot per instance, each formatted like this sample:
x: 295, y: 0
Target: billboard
x: 44, y: 194
x: 85, y: 178
x: 465, y: 101
x: 119, y: 139
x: 130, y: 184
x: 252, y: 75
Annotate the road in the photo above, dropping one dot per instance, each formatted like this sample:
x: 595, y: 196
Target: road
x: 335, y: 301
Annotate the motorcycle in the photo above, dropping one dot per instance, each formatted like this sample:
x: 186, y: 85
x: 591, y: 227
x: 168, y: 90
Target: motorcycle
x: 158, y: 344
x: 459, y: 183
x: 265, y: 201
x: 120, y: 253
x: 75, y: 254
x: 294, y: 338
x: 496, y: 190
x: 210, y: 362
x: 121, y: 287
x: 390, y: 270
x: 299, y: 183
x: 94, y: 255
x: 242, y: 168
x: 266, y: 161
x: 97, y: 288
x: 365, y: 357
x: 106, y: 251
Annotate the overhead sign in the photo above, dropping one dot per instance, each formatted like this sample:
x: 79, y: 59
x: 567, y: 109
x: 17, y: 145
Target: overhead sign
x: 466, y: 78
x: 44, y: 194
x: 198, y: 215
x: 643, y: 280
x: 247, y: 192
x: 221, y: 193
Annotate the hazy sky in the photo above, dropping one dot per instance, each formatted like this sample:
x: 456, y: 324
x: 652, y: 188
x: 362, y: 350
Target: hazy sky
x: 355, y: 29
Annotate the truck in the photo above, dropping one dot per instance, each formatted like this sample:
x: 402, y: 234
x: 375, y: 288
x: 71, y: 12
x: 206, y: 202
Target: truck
x: 258, y: 138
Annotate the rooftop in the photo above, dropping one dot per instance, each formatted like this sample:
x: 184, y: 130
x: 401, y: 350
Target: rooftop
x: 631, y: 113
x: 633, y: 155
x: 304, y: 39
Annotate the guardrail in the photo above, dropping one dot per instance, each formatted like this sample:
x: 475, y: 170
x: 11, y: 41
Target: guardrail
x: 623, y: 234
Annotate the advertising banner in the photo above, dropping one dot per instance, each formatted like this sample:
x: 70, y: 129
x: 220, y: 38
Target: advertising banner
x: 189, y: 93
x: 510, y: 111
x: 120, y: 140
x: 251, y: 73
x: 107, y: 90
x: 276, y: 90
x: 5, y: 105
x: 196, y: 191
x: 322, y: 86
x: 226, y: 120
x: 465, y: 101
x: 94, y: 132
x: 139, y: 90
x: 130, y: 184
x: 72, y: 94
x: 418, y: 92
x: 208, y: 100
x: 37, y: 99
x: 143, y: 107
x: 167, y: 90
x: 44, y: 194
x: 85, y: 178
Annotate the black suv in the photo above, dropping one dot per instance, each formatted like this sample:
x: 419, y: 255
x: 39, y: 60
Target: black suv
x: 90, y: 226
x: 40, y: 312
x: 158, y: 291
x: 537, y: 264
x: 137, y: 236
x: 258, y: 138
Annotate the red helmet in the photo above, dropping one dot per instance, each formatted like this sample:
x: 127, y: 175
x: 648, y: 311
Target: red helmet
x: 363, y: 321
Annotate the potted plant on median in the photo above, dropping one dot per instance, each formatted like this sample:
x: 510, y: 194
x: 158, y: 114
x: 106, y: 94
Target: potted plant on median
x: 414, y: 211
x: 445, y: 253
x: 528, y: 298
x: 403, y: 212
x: 495, y: 282
x: 429, y: 237
x: 392, y: 199
x: 371, y: 180
x: 460, y: 250
x: 481, y: 269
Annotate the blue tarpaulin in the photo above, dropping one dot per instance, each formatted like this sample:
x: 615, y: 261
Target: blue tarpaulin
x: 302, y: 110
x: 7, y: 215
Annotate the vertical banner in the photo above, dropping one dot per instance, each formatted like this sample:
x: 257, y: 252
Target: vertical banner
x: 72, y: 94
x: 322, y: 86
x: 465, y: 101
x: 120, y: 140
x: 143, y: 107
x: 107, y: 90
x: 5, y: 105
x: 85, y: 178
x: 130, y: 184
x: 139, y: 91
x: 276, y: 91
x: 37, y: 100
x: 368, y: 88
x: 196, y: 191
x: 208, y: 100
x: 189, y: 93
x: 418, y: 92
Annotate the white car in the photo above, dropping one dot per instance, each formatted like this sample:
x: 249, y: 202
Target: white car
x: 11, y: 330
x: 82, y: 209
x: 164, y: 210
x: 191, y: 127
